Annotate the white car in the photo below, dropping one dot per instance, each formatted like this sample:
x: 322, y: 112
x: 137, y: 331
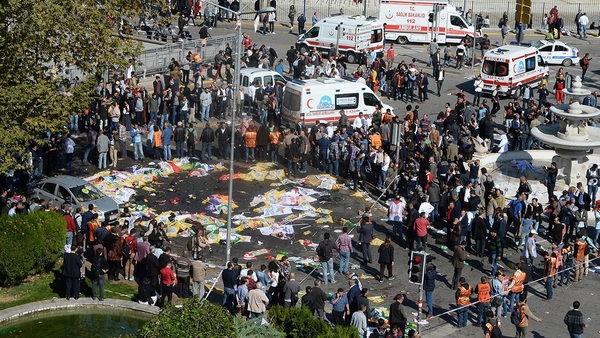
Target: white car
x: 555, y: 52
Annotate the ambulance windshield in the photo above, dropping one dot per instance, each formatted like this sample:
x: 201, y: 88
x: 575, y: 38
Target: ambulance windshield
x: 494, y: 68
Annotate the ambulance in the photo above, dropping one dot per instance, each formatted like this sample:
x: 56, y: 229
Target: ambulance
x: 309, y: 101
x: 416, y: 21
x: 511, y: 67
x: 353, y: 33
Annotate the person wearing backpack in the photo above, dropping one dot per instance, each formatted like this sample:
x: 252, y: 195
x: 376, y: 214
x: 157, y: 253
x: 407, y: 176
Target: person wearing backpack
x: 491, y: 329
x: 521, y: 316
x: 325, y: 252
x: 191, y: 139
x: 98, y: 272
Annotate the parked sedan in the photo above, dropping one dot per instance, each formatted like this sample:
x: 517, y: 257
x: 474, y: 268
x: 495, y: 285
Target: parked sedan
x: 76, y: 192
x: 555, y: 52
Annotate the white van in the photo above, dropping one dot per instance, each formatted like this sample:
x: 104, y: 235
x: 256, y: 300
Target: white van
x: 322, y: 99
x: 511, y: 67
x: 417, y: 21
x: 258, y: 76
x: 352, y: 34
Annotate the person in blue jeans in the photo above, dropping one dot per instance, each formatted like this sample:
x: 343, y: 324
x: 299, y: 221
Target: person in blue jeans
x: 463, y: 295
x: 428, y: 287
x: 325, y: 252
x: 167, y: 136
x: 343, y: 245
x: 549, y: 271
x: 229, y: 282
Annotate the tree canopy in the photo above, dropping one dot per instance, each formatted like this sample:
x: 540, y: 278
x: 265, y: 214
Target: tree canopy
x: 38, y: 40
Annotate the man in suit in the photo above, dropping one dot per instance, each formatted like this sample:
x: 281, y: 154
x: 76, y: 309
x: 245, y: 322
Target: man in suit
x: 582, y: 198
x: 365, y: 232
x: 290, y: 290
x: 72, y: 272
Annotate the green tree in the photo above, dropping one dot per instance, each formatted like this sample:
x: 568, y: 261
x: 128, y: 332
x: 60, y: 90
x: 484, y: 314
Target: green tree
x: 38, y: 40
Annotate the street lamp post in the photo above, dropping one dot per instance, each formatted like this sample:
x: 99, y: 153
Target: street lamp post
x: 236, y: 89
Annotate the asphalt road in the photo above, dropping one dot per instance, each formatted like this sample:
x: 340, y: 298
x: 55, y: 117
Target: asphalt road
x: 346, y: 206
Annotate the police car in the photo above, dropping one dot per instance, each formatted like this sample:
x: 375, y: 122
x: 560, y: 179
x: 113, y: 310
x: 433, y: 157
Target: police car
x: 555, y: 52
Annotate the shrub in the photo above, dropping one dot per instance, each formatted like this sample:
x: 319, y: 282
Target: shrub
x: 300, y: 323
x: 191, y: 320
x: 30, y: 244
x: 252, y: 328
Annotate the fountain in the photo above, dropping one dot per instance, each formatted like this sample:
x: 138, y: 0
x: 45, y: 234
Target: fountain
x: 571, y: 138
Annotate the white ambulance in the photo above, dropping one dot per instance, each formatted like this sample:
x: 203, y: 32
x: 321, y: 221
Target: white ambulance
x: 355, y: 34
x: 511, y: 67
x: 409, y: 21
x: 322, y: 99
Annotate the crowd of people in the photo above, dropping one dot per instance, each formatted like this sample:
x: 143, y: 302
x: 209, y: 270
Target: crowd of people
x: 430, y: 164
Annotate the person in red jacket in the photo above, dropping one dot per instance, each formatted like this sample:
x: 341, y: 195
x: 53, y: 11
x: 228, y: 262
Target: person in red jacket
x: 167, y: 280
x: 420, y: 230
x: 71, y: 227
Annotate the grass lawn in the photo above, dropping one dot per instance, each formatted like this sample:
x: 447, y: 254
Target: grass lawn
x: 50, y: 285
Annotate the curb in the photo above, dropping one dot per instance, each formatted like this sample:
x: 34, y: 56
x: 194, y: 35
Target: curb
x: 56, y: 304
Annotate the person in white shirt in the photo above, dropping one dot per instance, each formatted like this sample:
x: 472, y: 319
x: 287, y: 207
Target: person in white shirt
x: 478, y: 85
x: 244, y: 272
x: 583, y: 22
x: 384, y: 169
x: 359, y: 122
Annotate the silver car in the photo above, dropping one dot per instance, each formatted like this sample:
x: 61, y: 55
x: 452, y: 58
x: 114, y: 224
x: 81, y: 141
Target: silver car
x: 76, y: 192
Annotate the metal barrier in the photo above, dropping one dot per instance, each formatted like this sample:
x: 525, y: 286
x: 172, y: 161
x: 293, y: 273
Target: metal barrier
x: 566, y: 9
x: 323, y: 8
x: 156, y: 60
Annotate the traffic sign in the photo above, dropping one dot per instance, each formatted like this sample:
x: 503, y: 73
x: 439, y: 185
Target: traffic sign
x: 362, y: 45
x: 363, y: 29
x: 363, y: 37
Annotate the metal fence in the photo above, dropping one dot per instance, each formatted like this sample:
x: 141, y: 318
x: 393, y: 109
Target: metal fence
x: 567, y: 9
x: 156, y: 60
x: 323, y: 8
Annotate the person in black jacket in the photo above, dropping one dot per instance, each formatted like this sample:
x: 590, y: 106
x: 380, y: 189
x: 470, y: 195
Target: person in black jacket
x: 386, y: 259
x: 365, y: 232
x: 72, y: 272
x: 429, y: 286
x: 262, y: 142
x: 98, y: 272
x: 398, y: 317
x: 574, y: 320
x: 207, y: 137
x: 479, y: 230
x: 152, y: 268
x: 319, y: 298
x: 325, y: 252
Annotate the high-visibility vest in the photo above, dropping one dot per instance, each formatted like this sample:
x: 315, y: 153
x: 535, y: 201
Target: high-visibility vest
x: 250, y: 139
x: 274, y: 137
x: 483, y: 292
x: 580, y: 250
x: 518, y: 279
x: 463, y: 297
x: 376, y: 141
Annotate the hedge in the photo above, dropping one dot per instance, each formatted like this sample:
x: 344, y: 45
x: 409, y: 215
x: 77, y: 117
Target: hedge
x: 300, y: 323
x: 30, y: 244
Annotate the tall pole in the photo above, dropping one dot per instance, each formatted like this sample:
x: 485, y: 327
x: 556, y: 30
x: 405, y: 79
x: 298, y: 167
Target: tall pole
x: 236, y: 89
x: 365, y: 8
